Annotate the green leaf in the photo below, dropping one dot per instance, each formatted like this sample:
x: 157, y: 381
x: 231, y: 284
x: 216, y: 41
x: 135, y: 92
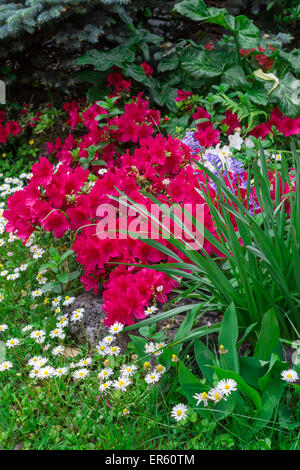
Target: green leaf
x: 196, y: 10
x: 185, y: 328
x: 170, y: 62
x: 293, y: 58
x: 228, y: 336
x: 207, y: 64
x: 247, y: 33
x: 235, y: 76
x: 103, y: 61
x: 205, y: 359
x: 139, y: 347
x: 137, y: 73
x: 287, y: 95
x: 268, y: 337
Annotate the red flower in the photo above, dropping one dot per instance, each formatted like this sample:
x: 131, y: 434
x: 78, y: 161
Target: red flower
x: 147, y: 69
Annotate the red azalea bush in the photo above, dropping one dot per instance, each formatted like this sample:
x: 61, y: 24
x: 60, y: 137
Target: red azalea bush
x: 67, y: 197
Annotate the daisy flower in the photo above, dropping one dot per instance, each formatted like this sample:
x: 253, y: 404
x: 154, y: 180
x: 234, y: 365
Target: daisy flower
x: 227, y: 386
x: 201, y: 397
x: 3, y: 328
x: 35, y: 360
x: 105, y: 373
x: 116, y: 328
x: 62, y: 321
x: 125, y: 412
x: 150, y: 310
x: 84, y: 362
x: 58, y: 350
x: 36, y: 293
x: 105, y: 386
x: 38, y: 334
x: 34, y: 372
x: 76, y: 316
x: 80, y: 374
x: 1, y: 297
x: 160, y: 368
x: 46, y: 372
x: 38, y: 253
x: 27, y: 328
x: 113, y: 351
x: 101, y: 348
x: 5, y: 365
x: 56, y: 301
x: 108, y: 339
x: 179, y: 412
x: 57, y: 333
x: 60, y: 371
x: 150, y: 348
x: 159, y: 349
x: 128, y: 370
x: 68, y: 300
x: 289, y: 375
x: 215, y: 394
x: 12, y: 343
x: 121, y: 384
x: 152, y: 377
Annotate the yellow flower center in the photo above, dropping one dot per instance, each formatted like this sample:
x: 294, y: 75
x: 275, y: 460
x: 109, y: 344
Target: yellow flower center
x: 121, y: 383
x: 227, y: 386
x: 289, y: 376
x: 179, y: 412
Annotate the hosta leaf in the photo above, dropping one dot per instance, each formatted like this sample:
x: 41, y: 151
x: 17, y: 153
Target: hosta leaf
x: 137, y: 73
x: 293, y: 58
x: 247, y: 32
x: 196, y: 10
x: 287, y: 95
x: 207, y: 64
x: 235, y: 76
x: 103, y: 61
x: 168, y: 63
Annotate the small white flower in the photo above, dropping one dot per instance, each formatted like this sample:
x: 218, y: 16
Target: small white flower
x: 27, y: 328
x: 102, y: 348
x: 201, y: 397
x: 57, y: 333
x: 61, y: 371
x: 150, y: 348
x: 227, y: 386
x: 289, y: 375
x: 113, y: 351
x: 68, y: 300
x: 152, y: 377
x: 160, y: 369
x: 108, y: 339
x: 12, y: 343
x: 105, y: 373
x: 34, y: 372
x: 160, y: 288
x: 1, y: 297
x: 80, y: 374
x: 58, y: 350
x: 150, y: 310
x: 36, y: 293
x: 121, y: 384
x: 105, y: 386
x: 3, y: 328
x: 84, y: 362
x: 38, y: 334
x: 23, y: 267
x: 56, y: 301
x: 76, y: 316
x: 116, y: 328
x: 38, y: 253
x: 129, y: 370
x: 215, y: 394
x: 46, y: 372
x: 102, y: 171
x: 35, y: 361
x: 63, y: 321
x: 5, y: 365
x: 179, y: 412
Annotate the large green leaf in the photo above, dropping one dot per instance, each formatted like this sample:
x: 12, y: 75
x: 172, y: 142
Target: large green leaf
x: 169, y: 62
x: 247, y: 33
x: 196, y: 10
x: 228, y: 336
x: 208, y: 64
x: 103, y: 61
x: 287, y: 95
x: 293, y: 58
x: 268, y: 337
x: 235, y: 76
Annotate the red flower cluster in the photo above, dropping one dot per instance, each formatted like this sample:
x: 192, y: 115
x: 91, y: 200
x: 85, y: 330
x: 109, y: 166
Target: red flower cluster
x: 9, y: 129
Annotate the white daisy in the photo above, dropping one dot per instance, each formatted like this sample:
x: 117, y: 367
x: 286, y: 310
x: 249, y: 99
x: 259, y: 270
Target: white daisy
x: 289, y: 375
x: 152, y: 377
x: 5, y: 365
x: 105, y: 386
x: 68, y: 300
x: 80, y: 374
x: 215, y: 394
x: 12, y: 343
x: 84, y: 362
x: 46, y: 372
x: 3, y: 328
x: 57, y: 333
x: 201, y: 397
x: 179, y: 412
x: 121, y: 384
x: 58, y: 350
x: 113, y: 351
x: 105, y: 373
x: 227, y: 386
x: 102, y: 348
x: 129, y: 370
x: 108, y: 339
x: 116, y: 328
x: 61, y: 371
